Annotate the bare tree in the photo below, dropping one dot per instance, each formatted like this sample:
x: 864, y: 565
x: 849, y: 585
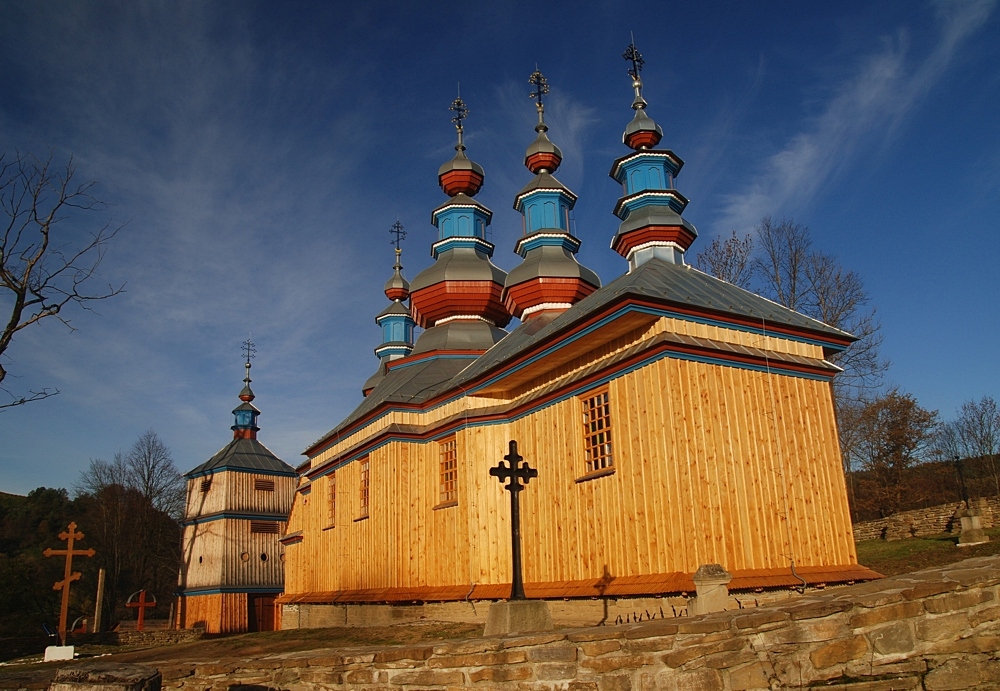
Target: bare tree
x: 978, y: 432
x: 42, y: 272
x: 781, y: 265
x: 729, y: 260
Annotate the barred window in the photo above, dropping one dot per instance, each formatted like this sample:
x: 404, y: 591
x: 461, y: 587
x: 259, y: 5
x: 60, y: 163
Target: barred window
x: 365, y: 487
x: 206, y: 485
x: 263, y: 485
x: 332, y: 507
x: 264, y: 527
x: 597, y: 431
x: 448, y: 473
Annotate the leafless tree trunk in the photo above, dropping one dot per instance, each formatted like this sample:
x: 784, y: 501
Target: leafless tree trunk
x: 41, y: 273
x: 978, y: 431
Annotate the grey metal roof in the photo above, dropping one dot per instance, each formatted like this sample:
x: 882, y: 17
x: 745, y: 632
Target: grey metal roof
x: 246, y: 454
x: 662, y: 281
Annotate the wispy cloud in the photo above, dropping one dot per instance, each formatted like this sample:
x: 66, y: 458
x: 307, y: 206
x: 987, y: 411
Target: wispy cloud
x: 871, y: 105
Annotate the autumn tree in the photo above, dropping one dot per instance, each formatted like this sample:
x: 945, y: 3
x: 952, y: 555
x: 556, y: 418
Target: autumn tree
x: 894, y: 435
x: 47, y: 258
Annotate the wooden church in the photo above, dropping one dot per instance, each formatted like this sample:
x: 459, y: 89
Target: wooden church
x: 674, y: 419
x: 237, y: 507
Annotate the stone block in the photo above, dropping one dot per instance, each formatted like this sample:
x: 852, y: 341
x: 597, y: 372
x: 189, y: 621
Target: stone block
x: 561, y: 653
x: 596, y: 648
x: 954, y: 601
x: 428, y: 677
x: 945, y: 626
x: 710, y: 582
x: 650, y: 645
x: 972, y: 644
x: 534, y: 639
x: 880, y: 615
x: 984, y: 615
x: 555, y: 672
x: 680, y: 657
x: 892, y: 640
x: 600, y: 634
x: 809, y: 631
x: 500, y: 674
x: 410, y: 653
x: 56, y: 653
x: 360, y: 676
x: 654, y: 629
x: 727, y: 660
x: 503, y: 657
x: 466, y: 647
x: 518, y: 616
x: 928, y: 589
x: 879, y: 599
x: 816, y: 610
x: 704, y: 625
x: 106, y: 676
x: 963, y: 674
x: 837, y: 652
x: 615, y: 682
x: 700, y: 680
x: 755, y: 620
x: 601, y: 665
x: 749, y: 677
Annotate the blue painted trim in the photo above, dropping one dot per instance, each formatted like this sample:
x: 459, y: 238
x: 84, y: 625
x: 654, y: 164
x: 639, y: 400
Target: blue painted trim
x: 208, y: 518
x: 572, y: 393
x: 251, y: 471
x: 192, y: 592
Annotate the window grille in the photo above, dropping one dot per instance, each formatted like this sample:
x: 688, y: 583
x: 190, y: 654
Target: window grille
x: 332, y: 512
x: 364, y: 487
x: 448, y: 471
x: 597, y: 431
x: 263, y: 485
x: 264, y: 528
x: 206, y: 485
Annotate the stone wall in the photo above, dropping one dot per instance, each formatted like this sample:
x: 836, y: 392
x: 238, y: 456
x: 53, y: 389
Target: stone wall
x: 933, y: 520
x: 934, y: 630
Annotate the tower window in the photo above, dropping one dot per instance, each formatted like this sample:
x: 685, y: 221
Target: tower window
x: 448, y: 473
x: 597, y: 431
x: 206, y: 485
x: 264, y: 528
x: 263, y: 485
x: 364, y: 487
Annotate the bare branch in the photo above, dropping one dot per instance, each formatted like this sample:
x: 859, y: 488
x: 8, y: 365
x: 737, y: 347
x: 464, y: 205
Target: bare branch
x: 729, y: 260
x: 42, y: 272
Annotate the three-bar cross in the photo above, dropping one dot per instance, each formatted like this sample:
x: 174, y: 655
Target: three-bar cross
x: 513, y: 474
x: 69, y: 575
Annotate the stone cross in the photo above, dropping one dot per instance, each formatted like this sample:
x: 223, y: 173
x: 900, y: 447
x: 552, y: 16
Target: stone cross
x: 142, y: 605
x: 513, y: 474
x: 68, y: 574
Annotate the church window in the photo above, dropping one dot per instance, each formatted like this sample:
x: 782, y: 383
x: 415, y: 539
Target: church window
x: 597, y: 431
x: 365, y: 487
x: 332, y: 509
x: 263, y: 485
x: 206, y: 485
x: 448, y: 473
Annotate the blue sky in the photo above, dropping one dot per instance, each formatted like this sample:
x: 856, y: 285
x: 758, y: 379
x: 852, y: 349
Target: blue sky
x: 260, y: 152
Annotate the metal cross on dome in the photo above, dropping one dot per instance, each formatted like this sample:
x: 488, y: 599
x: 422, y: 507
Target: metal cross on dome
x: 632, y: 54
x: 249, y: 350
x: 541, y: 84
x: 461, y: 111
x: 397, y: 230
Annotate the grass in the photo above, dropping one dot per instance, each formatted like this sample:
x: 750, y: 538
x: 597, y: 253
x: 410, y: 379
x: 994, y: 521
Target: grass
x: 915, y: 553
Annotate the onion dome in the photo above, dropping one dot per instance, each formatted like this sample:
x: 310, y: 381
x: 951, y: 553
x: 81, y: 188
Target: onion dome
x: 650, y: 210
x: 395, y: 320
x: 245, y: 423
x: 458, y: 298
x: 460, y: 175
x: 550, y: 279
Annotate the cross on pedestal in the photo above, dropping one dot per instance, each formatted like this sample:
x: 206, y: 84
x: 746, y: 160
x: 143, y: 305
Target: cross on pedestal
x: 69, y: 575
x: 513, y: 474
x: 142, y: 605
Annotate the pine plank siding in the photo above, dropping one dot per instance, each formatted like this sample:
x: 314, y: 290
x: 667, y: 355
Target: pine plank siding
x: 712, y: 463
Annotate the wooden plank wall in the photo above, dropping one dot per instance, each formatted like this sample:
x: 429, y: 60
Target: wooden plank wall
x: 218, y: 613
x: 714, y: 465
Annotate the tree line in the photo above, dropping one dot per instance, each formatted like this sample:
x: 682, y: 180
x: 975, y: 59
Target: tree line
x: 129, y: 510
x: 897, y: 455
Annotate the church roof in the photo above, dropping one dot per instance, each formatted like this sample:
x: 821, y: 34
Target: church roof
x: 244, y: 454
x: 676, y: 285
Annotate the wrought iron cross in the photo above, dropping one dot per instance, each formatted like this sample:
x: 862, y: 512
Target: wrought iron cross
x: 541, y: 84
x: 397, y: 230
x: 632, y: 54
x: 460, y: 110
x: 69, y: 575
x: 249, y: 350
x: 513, y: 474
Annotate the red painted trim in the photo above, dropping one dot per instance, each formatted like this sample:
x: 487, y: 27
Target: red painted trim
x: 541, y: 289
x: 244, y: 434
x: 397, y: 293
x: 460, y: 181
x: 643, y: 138
x: 450, y: 298
x: 542, y: 160
x: 679, y: 234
